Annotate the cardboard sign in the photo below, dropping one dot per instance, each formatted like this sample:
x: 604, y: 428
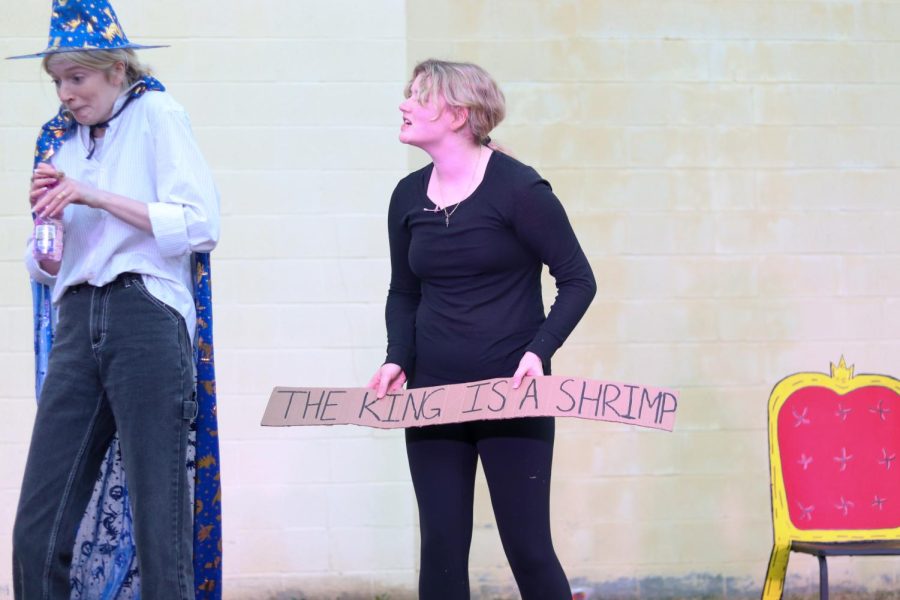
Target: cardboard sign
x: 550, y: 396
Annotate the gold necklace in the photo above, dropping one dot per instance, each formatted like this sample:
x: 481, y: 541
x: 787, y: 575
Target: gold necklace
x: 447, y: 215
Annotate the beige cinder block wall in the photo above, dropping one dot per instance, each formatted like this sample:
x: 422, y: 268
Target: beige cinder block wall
x: 729, y: 167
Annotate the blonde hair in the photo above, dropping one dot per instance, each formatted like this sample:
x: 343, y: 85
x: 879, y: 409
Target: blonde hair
x: 462, y: 85
x: 103, y: 60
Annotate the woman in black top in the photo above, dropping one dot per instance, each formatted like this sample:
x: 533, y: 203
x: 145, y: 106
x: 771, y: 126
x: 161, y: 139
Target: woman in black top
x: 469, y: 235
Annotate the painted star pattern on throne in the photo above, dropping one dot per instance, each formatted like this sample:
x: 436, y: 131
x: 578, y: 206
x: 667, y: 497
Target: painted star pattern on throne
x: 844, y: 506
x: 880, y: 410
x: 887, y: 459
x: 857, y: 432
x: 842, y: 412
x: 843, y: 459
x: 801, y: 419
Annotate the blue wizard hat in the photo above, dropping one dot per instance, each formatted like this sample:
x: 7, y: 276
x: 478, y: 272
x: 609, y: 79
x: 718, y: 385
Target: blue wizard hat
x: 80, y: 25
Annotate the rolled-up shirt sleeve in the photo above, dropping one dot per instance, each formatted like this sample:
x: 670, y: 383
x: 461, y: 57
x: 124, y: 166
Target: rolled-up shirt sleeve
x: 185, y: 217
x: 34, y: 267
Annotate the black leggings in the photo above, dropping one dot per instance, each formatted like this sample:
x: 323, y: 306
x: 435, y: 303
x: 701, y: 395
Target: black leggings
x: 516, y: 455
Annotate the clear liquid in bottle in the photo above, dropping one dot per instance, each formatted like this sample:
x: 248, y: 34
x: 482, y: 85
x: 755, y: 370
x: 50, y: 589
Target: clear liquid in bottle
x: 48, y: 236
x: 48, y: 239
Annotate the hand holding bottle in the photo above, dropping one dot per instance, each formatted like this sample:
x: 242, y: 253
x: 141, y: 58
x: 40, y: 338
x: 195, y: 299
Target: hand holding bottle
x: 48, y: 231
x: 52, y: 192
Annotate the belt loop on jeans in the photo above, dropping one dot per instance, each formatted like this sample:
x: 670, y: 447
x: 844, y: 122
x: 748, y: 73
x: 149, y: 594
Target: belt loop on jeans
x: 126, y: 279
x: 74, y: 289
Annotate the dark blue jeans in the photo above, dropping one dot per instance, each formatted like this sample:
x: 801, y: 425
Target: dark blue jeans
x: 121, y: 362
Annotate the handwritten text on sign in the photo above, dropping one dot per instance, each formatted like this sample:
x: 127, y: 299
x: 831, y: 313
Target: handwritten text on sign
x: 551, y: 396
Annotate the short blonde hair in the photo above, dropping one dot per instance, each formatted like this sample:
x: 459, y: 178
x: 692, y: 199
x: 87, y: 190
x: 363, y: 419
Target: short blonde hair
x: 462, y: 85
x: 103, y: 60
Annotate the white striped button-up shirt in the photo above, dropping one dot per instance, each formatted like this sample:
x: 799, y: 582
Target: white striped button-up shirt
x: 149, y: 154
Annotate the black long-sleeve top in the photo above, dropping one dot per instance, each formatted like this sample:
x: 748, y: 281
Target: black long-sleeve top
x: 464, y: 301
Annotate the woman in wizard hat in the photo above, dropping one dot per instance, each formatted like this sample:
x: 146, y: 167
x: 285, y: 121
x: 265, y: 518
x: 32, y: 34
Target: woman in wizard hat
x: 120, y: 181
